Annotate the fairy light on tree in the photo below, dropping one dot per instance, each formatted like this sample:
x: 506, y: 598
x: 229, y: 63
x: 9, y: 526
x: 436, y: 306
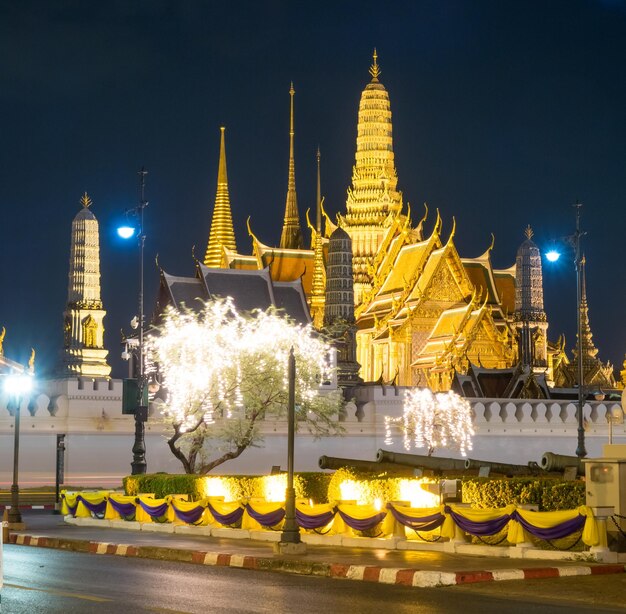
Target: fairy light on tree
x: 433, y: 420
x: 223, y: 373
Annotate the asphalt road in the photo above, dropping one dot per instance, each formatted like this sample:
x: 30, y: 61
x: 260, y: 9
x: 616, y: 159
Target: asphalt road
x: 52, y: 581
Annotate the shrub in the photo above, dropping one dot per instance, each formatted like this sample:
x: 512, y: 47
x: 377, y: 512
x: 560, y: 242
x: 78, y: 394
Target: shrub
x: 548, y: 494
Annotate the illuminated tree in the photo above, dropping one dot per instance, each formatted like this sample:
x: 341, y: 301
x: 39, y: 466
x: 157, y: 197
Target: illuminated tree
x: 440, y: 420
x: 223, y: 373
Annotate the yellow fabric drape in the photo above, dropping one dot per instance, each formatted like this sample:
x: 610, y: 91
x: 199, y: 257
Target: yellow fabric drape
x: 90, y: 497
x: 221, y: 507
x: 416, y: 513
x: 187, y: 506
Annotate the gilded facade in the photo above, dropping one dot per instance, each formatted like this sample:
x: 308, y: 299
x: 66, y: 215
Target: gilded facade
x: 423, y: 314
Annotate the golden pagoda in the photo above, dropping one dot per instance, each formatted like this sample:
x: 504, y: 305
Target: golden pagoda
x: 222, y: 233
x: 423, y: 315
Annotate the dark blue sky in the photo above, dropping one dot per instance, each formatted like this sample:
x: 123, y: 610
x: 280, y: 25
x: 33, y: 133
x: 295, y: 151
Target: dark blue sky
x: 504, y: 114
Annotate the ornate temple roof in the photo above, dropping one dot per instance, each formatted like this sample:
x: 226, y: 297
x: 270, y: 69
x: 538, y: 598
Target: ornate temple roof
x: 249, y: 290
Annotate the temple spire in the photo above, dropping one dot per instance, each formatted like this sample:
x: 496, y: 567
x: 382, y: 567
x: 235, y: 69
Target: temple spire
x: 222, y: 233
x: 291, y: 236
x: 374, y: 68
x: 318, y: 286
x: 589, y: 351
x: 84, y: 354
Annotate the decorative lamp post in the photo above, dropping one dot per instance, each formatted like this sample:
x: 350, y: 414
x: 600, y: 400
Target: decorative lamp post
x: 141, y: 409
x: 553, y: 256
x: 17, y: 386
x: 291, y: 530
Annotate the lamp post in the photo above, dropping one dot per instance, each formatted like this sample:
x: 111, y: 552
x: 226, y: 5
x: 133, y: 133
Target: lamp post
x: 581, y: 452
x: 291, y: 530
x: 16, y: 386
x: 141, y: 410
x: 553, y: 256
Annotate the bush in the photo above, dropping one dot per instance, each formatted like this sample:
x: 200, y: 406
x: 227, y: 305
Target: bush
x: 548, y: 494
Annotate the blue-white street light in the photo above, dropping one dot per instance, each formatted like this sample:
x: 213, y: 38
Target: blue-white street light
x: 17, y: 386
x: 553, y: 255
x: 126, y: 232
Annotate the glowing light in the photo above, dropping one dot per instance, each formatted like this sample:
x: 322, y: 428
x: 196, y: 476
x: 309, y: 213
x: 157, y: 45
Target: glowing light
x: 441, y: 420
x: 553, y: 255
x: 416, y: 493
x: 18, y: 385
x: 351, y: 490
x: 210, y: 363
x: 274, y: 487
x: 218, y: 487
x: 378, y: 504
x: 126, y: 232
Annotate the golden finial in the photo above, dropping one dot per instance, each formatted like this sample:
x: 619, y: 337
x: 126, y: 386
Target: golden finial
x: 374, y: 68
x: 31, y: 361
x: 85, y: 201
x: 2, y: 334
x: 529, y: 232
x: 493, y: 242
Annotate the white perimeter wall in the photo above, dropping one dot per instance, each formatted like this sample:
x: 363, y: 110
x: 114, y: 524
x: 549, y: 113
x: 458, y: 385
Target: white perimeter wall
x: 99, y: 439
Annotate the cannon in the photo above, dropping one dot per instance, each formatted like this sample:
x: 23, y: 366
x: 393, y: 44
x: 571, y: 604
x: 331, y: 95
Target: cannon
x: 332, y: 462
x: 558, y: 462
x: 503, y: 468
x: 419, y: 461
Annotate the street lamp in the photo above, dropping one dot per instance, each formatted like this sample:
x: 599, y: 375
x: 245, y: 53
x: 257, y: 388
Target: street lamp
x: 291, y: 530
x: 141, y: 410
x: 17, y: 386
x: 553, y: 255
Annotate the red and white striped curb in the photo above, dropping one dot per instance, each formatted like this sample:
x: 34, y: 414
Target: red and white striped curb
x: 29, y: 507
x: 382, y: 575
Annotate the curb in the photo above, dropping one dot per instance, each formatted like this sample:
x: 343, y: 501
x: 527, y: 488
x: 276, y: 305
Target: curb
x: 46, y: 506
x: 382, y: 575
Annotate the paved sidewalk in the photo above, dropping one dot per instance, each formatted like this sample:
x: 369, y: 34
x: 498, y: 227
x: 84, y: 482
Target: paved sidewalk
x: 405, y: 567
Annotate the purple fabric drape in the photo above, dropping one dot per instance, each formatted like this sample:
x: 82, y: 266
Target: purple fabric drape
x: 123, y: 509
x: 71, y: 508
x: 487, y: 527
x: 270, y: 519
x: 191, y: 516
x: 560, y: 530
x: 226, y: 519
x: 94, y: 508
x: 154, y: 511
x: 313, y: 521
x: 424, y: 523
x: 364, y: 524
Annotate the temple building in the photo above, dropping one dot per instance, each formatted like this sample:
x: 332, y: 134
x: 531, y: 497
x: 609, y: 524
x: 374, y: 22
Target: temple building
x: 84, y: 354
x: 423, y: 315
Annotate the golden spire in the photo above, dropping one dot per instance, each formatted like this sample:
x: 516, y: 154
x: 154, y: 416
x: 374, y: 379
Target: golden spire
x: 222, y: 232
x: 529, y: 232
x: 373, y: 195
x: 85, y: 201
x: 318, y: 289
x: 374, y: 68
x: 319, y: 194
x: 291, y: 236
x: 589, y: 351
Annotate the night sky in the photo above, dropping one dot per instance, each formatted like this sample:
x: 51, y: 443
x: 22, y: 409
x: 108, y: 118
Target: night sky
x: 504, y: 113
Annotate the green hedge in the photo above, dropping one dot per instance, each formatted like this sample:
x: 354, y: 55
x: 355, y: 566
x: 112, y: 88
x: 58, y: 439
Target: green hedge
x: 549, y: 494
x: 308, y: 485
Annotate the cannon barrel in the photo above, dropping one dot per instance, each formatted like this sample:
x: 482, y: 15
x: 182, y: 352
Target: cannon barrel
x: 557, y: 462
x: 417, y: 460
x: 504, y: 468
x: 332, y: 462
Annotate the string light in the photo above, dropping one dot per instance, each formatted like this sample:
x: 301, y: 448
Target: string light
x: 433, y: 420
x: 205, y: 360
